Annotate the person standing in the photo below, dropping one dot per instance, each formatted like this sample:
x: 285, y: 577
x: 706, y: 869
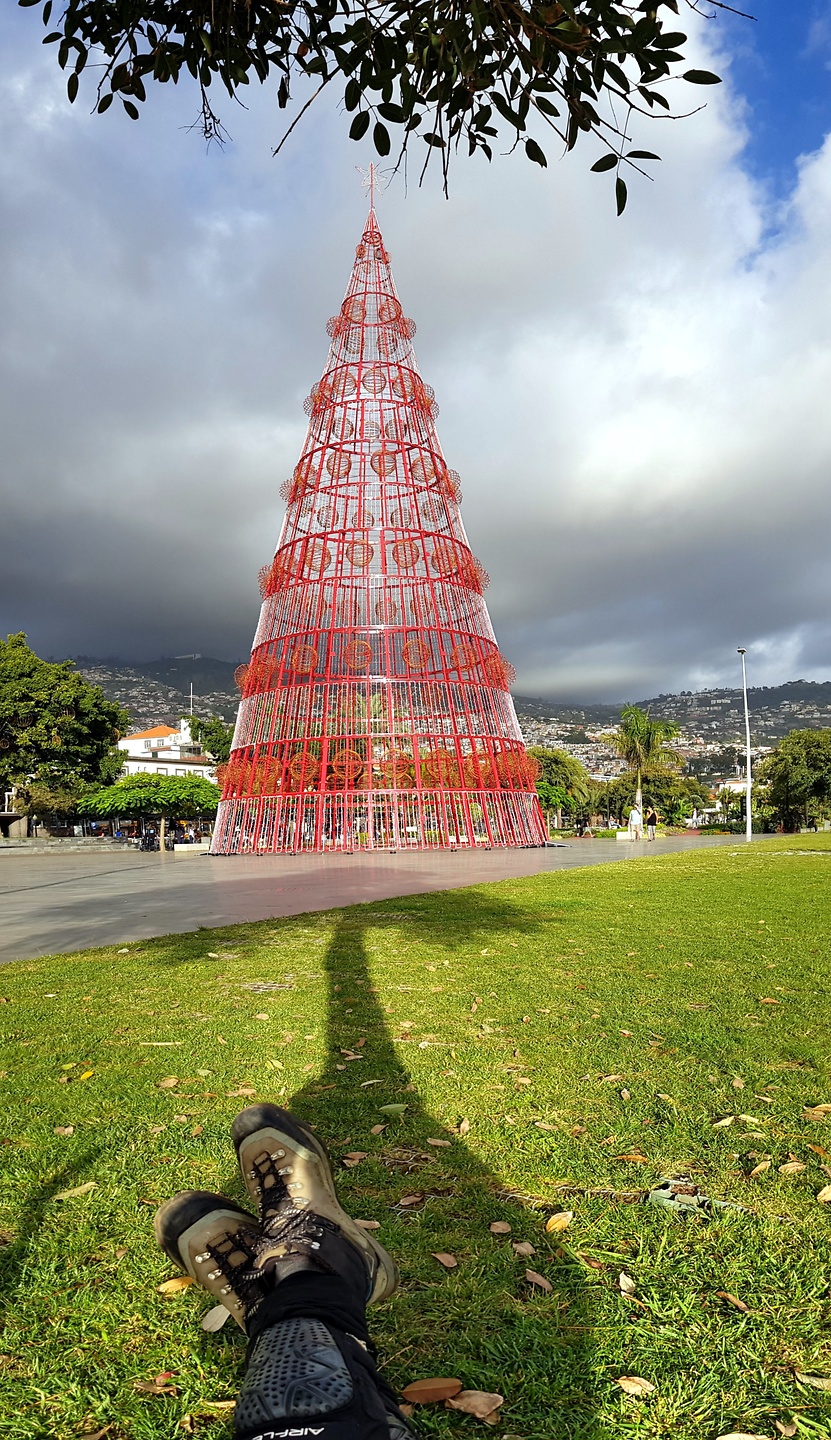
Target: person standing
x: 635, y: 823
x: 651, y: 822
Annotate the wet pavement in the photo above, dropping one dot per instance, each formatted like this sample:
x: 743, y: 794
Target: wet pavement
x: 54, y: 904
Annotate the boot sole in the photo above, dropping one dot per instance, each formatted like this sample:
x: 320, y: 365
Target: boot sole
x: 272, y: 1127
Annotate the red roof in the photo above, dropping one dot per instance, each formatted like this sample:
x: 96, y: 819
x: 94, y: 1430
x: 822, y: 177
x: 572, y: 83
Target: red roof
x: 155, y: 733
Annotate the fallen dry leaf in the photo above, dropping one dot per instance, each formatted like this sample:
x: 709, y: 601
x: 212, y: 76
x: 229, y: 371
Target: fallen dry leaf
x: 534, y: 1279
x: 624, y: 1095
x: 168, y: 1082
x: 737, y: 1082
x: 121, y: 1252
x: 428, y: 1392
x: 816, y: 1112
x: 407, y: 1410
x: 481, y: 1403
x: 410, y: 1199
x: 95, y: 1434
x: 817, y: 1382
x: 724, y: 1122
x: 786, y: 1427
x: 522, y: 1247
x: 448, y: 1261
x: 377, y: 1129
x: 791, y: 1167
x: 818, y: 1150
x: 824, y: 1195
x: 175, y: 1285
x: 635, y: 1385
x: 369, y: 1224
x: 87, y: 1075
x: 544, y: 1125
x: 197, y: 1130
x: 760, y: 1168
x: 626, y: 1283
x: 464, y: 1127
x: 215, y: 1319
x: 243, y: 1090
x: 77, y: 1190
x: 560, y: 1221
x: 499, y: 1227
x: 633, y: 1159
x: 741, y: 1435
x: 155, y: 1387
x: 438, y: 1142
x: 353, y: 1158
x: 768, y: 1000
x: 64, y: 1130
x: 733, y: 1300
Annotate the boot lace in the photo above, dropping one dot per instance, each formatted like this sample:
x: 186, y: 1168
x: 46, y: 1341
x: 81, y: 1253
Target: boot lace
x: 299, y: 1232
x: 236, y: 1257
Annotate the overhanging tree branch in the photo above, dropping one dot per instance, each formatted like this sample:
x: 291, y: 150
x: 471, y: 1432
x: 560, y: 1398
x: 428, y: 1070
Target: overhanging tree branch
x: 451, y: 72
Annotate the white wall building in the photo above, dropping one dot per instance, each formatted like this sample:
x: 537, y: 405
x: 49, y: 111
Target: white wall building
x: 162, y: 750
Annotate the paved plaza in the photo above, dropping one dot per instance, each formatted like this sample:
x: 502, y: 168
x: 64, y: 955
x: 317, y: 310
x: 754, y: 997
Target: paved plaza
x: 53, y: 904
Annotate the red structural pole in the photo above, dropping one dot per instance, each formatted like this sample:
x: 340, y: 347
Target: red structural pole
x: 376, y: 710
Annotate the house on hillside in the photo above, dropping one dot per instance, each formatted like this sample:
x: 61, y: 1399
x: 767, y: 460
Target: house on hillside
x: 163, y: 750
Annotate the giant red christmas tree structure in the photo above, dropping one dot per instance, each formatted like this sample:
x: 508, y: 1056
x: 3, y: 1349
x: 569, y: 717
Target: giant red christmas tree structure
x: 375, y: 709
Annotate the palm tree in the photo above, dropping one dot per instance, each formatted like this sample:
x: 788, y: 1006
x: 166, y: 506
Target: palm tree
x: 644, y: 744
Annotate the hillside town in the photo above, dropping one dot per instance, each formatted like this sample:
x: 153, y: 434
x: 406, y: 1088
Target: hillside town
x: 159, y: 692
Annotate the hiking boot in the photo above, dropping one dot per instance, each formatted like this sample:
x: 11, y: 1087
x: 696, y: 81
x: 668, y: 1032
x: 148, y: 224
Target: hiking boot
x: 219, y: 1245
x: 288, y: 1175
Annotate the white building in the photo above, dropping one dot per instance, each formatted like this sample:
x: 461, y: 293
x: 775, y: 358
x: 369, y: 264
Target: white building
x: 165, y: 751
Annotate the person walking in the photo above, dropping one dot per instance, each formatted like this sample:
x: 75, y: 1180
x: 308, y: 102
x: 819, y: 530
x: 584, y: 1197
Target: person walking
x: 651, y: 822
x: 635, y: 824
x: 297, y: 1278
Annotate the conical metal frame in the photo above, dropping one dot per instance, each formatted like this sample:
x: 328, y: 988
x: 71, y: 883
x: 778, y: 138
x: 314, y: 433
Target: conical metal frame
x: 375, y: 710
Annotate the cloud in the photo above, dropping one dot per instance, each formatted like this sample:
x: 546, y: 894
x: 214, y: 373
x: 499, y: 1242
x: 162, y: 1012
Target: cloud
x: 638, y: 407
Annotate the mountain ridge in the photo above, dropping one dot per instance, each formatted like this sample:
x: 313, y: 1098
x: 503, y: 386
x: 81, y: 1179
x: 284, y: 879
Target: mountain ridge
x: 155, y: 691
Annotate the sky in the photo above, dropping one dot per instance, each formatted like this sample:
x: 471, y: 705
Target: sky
x: 638, y: 407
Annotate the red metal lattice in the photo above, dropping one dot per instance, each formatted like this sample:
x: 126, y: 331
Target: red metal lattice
x: 375, y: 708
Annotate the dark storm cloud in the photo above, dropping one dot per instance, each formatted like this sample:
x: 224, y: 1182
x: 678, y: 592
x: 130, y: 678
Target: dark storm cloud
x: 638, y: 408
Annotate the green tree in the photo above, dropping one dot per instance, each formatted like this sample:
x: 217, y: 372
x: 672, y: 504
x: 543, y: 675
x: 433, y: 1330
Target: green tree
x: 58, y: 798
x: 54, y: 726
x: 213, y: 735
x: 795, y: 780
x: 436, y: 74
x: 157, y: 797
x: 563, y: 784
x: 675, y: 797
x: 644, y: 745
x: 720, y: 763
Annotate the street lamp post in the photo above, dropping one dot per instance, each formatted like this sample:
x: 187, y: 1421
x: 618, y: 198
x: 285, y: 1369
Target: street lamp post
x: 748, y: 816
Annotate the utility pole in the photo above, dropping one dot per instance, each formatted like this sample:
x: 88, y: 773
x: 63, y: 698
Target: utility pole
x: 748, y: 816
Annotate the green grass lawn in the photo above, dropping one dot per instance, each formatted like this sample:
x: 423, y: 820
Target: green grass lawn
x: 551, y: 1029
